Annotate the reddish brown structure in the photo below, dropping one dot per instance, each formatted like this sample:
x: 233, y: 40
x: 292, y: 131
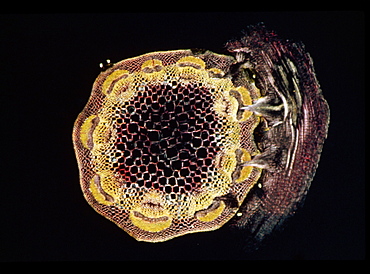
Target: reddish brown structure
x: 182, y: 141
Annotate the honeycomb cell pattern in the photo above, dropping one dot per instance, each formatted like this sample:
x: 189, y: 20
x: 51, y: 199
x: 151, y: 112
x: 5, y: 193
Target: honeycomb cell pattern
x: 169, y: 146
x: 161, y: 143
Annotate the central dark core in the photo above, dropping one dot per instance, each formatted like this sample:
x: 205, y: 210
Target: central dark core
x: 166, y: 138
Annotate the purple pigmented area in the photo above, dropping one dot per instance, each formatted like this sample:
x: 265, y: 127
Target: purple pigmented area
x: 166, y: 138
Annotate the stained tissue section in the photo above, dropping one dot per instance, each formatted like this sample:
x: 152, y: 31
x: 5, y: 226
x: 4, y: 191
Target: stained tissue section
x: 166, y: 138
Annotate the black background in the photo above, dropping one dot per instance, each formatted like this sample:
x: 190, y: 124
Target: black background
x: 48, y: 65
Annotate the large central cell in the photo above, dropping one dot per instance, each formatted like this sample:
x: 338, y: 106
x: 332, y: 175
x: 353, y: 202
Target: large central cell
x: 166, y: 138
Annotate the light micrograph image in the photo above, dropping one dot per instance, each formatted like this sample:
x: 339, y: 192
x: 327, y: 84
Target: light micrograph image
x: 182, y: 136
x: 182, y: 141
